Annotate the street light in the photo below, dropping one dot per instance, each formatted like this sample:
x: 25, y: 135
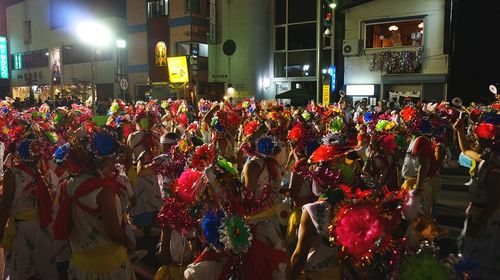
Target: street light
x: 96, y: 35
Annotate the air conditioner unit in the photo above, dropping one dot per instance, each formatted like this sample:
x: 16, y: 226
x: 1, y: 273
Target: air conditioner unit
x: 351, y: 47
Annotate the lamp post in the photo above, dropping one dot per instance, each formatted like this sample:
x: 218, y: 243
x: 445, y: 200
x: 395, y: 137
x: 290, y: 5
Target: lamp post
x: 121, y: 44
x: 96, y: 35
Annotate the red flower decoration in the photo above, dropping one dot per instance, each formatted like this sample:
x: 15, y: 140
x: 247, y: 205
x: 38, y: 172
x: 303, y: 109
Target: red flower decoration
x: 496, y: 106
x: 408, y: 113
x: 389, y: 143
x: 485, y: 130
x: 250, y: 128
x: 175, y: 215
x: 327, y: 152
x: 190, y: 185
x: 183, y: 119
x: 203, y: 157
x: 360, y: 229
x: 475, y: 114
x: 296, y: 132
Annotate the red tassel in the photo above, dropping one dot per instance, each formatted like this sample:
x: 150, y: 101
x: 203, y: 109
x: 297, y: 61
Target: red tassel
x: 62, y: 223
x: 44, y: 202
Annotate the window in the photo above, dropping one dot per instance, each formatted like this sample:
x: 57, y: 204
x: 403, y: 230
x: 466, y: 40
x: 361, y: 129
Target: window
x: 302, y: 36
x: 157, y: 8
x: 79, y: 53
x: 161, y: 54
x: 390, y: 34
x: 193, y: 6
x: 27, y: 60
x: 295, y: 39
x: 27, y: 32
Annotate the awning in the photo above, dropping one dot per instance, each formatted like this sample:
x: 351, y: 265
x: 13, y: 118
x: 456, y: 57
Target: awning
x: 297, y: 93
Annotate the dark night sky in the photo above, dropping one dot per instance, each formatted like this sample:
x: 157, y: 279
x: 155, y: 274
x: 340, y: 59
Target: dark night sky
x: 476, y: 61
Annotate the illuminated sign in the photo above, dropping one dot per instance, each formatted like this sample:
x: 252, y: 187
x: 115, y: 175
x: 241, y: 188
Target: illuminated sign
x: 178, y: 69
x: 4, y: 62
x: 326, y: 95
x: 18, y: 61
x: 333, y: 74
x: 360, y: 90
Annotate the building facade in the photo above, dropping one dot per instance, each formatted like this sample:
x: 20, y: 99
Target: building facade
x: 275, y: 48
x: 397, y: 49
x: 48, y: 60
x: 158, y: 29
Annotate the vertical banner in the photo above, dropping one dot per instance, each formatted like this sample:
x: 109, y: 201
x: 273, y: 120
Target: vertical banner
x: 213, y: 25
x: 326, y: 95
x: 55, y: 65
x: 4, y: 61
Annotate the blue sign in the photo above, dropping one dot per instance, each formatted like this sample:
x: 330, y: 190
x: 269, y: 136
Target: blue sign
x: 333, y: 75
x: 4, y: 62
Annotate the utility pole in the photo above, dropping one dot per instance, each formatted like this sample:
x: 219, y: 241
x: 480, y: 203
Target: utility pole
x: 94, y: 87
x: 319, y: 28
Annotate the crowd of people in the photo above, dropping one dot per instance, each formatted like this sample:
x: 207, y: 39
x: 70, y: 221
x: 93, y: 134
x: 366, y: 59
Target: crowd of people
x: 245, y: 190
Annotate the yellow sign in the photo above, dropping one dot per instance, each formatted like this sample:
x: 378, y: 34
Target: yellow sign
x: 326, y: 95
x: 178, y: 69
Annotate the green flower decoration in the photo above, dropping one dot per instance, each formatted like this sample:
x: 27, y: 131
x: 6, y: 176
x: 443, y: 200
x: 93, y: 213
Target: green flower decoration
x: 214, y: 121
x: 235, y: 234
x: 381, y: 125
x: 227, y: 166
x: 164, y: 104
x: 52, y: 137
x: 306, y: 115
x: 337, y: 124
x: 423, y: 267
x: 59, y: 118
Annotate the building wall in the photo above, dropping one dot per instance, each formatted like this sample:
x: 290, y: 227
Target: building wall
x: 247, y: 22
x: 434, y: 61
x: 37, y: 11
x: 137, y: 46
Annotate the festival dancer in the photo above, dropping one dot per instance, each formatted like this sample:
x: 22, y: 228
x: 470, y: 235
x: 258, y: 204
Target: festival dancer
x: 260, y: 175
x: 26, y: 208
x: 482, y: 224
x: 90, y: 215
x: 144, y: 145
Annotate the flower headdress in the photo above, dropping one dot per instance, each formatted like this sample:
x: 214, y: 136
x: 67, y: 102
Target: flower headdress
x: 250, y: 127
x: 302, y: 137
x: 81, y: 153
x: 266, y: 146
x: 147, y: 113
x: 203, y: 157
x: 329, y: 152
x: 117, y: 107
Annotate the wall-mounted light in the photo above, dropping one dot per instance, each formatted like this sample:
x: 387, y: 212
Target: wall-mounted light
x: 230, y: 90
x: 421, y: 25
x: 266, y: 82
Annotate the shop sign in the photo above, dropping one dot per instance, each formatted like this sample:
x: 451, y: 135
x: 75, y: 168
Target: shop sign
x: 284, y: 87
x: 326, y: 95
x: 4, y: 62
x: 178, y: 69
